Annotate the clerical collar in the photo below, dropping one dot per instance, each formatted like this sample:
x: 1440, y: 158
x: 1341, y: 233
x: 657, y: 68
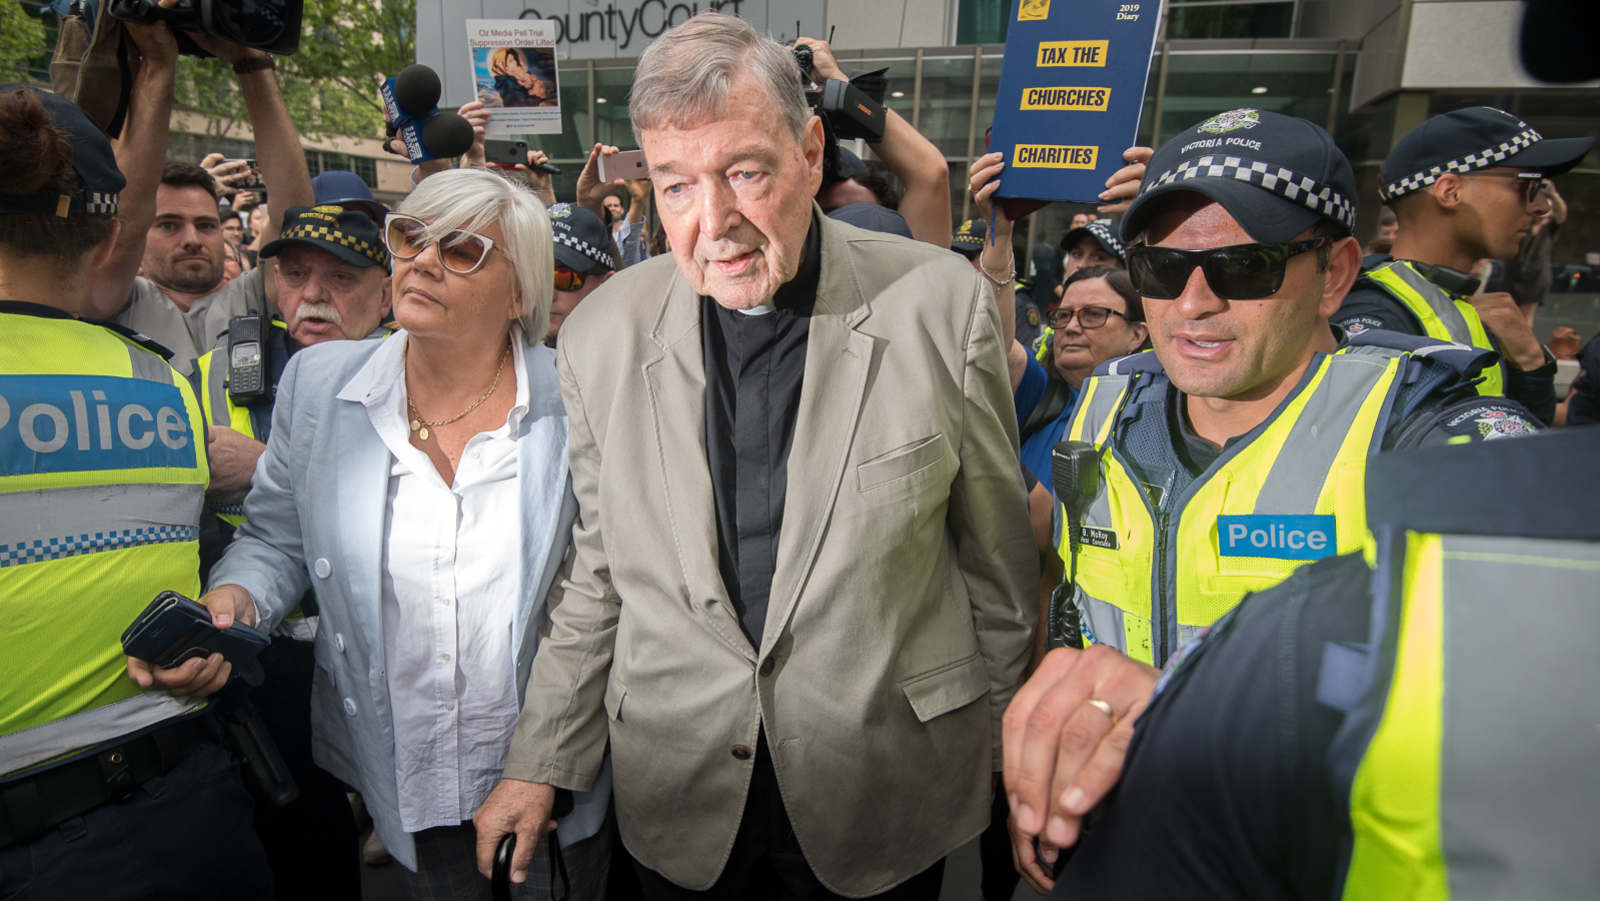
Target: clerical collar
x: 799, y: 294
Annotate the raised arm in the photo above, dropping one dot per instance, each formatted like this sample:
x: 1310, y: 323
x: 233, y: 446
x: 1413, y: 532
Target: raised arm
x: 997, y: 260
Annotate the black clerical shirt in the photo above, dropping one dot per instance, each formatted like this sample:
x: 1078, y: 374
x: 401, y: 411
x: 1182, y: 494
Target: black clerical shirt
x: 754, y: 366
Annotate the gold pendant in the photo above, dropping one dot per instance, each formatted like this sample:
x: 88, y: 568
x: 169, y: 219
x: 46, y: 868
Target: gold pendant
x: 415, y: 425
x: 423, y: 434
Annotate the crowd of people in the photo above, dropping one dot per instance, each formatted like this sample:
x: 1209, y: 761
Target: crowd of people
x: 753, y: 531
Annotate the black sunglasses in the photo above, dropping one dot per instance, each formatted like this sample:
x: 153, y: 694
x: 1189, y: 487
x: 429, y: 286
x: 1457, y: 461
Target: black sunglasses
x: 1236, y: 272
x: 1528, y: 183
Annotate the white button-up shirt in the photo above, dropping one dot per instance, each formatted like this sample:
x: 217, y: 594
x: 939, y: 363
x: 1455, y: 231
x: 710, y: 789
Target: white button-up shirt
x: 449, y: 607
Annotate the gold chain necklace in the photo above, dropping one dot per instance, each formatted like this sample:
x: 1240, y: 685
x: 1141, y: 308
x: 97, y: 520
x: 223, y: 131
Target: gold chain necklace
x: 421, y: 426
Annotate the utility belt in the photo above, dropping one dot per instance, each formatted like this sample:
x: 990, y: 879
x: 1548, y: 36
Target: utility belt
x: 35, y: 803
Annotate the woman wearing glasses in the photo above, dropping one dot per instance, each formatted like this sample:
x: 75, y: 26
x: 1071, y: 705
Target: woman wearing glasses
x: 418, y: 485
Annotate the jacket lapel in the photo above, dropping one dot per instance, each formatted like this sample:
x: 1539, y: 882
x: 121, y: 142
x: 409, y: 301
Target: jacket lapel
x: 838, y: 360
x: 675, y: 382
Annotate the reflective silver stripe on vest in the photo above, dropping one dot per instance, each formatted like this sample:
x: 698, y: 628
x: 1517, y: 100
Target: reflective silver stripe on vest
x: 1519, y: 780
x: 149, y: 366
x: 89, y: 728
x: 93, y: 518
x: 1100, y: 621
x: 1437, y: 300
x: 1298, y: 475
x: 216, y: 387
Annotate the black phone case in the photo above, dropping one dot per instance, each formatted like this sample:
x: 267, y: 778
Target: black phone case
x: 173, y: 629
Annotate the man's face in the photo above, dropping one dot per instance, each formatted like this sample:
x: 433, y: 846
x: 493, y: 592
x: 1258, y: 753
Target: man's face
x: 1388, y: 230
x: 567, y: 301
x: 183, y: 249
x: 233, y: 230
x: 613, y: 205
x: 324, y: 298
x: 1086, y: 252
x: 259, y: 217
x: 734, y: 196
x: 1081, y: 219
x: 1498, y: 214
x: 1240, y: 350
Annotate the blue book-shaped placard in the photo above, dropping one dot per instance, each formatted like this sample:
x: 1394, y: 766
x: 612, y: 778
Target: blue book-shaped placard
x: 1071, y: 90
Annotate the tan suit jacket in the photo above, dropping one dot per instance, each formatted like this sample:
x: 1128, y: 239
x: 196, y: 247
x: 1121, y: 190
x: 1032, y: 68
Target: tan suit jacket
x: 902, y: 604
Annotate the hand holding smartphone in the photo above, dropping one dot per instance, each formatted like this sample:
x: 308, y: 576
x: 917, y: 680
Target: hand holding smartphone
x: 624, y: 164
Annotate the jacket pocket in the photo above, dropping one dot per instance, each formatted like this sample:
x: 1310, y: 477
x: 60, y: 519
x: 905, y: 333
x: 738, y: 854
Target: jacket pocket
x: 948, y: 687
x: 901, y: 462
x: 615, y: 693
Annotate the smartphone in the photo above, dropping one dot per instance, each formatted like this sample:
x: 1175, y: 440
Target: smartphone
x: 628, y: 164
x: 505, y: 153
x: 251, y: 180
x: 247, y: 363
x: 173, y: 629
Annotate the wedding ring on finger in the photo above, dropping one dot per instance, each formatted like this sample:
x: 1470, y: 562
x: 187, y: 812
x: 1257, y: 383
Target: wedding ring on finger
x: 1102, y: 706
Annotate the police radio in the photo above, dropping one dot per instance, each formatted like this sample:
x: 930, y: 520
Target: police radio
x: 247, y: 359
x: 1075, y: 475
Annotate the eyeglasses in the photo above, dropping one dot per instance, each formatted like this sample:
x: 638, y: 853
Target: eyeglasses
x: 569, y: 279
x: 461, y: 252
x: 1088, y: 317
x: 1236, y: 272
x: 1531, y: 182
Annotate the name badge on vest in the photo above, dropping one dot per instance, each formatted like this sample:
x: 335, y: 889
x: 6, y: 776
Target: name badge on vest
x: 1280, y: 537
x: 1101, y: 538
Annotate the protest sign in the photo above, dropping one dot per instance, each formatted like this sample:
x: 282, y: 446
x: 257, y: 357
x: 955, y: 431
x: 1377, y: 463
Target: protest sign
x: 1071, y: 90
x: 514, y: 73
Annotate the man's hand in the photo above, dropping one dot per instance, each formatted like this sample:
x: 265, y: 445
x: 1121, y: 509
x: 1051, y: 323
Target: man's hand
x: 519, y: 807
x: 591, y: 190
x: 156, y: 44
x: 233, y: 458
x: 1064, y: 753
x: 823, y: 64
x: 537, y: 180
x: 1123, y: 185
x: 200, y: 677
x: 224, y: 49
x: 1504, y: 319
x: 478, y: 115
x: 983, y: 179
x: 225, y: 172
x: 638, y: 195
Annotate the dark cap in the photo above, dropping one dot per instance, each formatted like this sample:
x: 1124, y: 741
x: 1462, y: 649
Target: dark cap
x: 1478, y: 137
x: 350, y: 235
x: 1104, y: 233
x: 338, y: 187
x: 100, y: 181
x: 873, y: 217
x: 1276, y: 175
x: 583, y: 243
x: 970, y: 237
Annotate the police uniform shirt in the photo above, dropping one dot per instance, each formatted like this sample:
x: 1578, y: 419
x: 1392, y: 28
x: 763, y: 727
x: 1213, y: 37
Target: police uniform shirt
x: 1225, y: 792
x: 152, y: 313
x: 1584, y: 406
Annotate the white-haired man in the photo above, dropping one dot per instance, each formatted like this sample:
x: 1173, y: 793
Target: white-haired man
x: 800, y: 593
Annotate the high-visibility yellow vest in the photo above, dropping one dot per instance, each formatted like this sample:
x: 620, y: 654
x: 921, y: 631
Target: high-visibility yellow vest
x: 1443, y: 316
x: 1154, y: 566
x: 102, y: 477
x: 1469, y: 764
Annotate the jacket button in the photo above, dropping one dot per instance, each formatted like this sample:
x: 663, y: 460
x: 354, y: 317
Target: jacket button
x: 767, y: 666
x: 350, y: 706
x: 741, y: 752
x: 322, y: 567
x: 338, y: 642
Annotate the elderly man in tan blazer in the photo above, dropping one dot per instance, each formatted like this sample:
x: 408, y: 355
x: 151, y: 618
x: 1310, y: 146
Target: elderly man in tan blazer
x: 800, y: 593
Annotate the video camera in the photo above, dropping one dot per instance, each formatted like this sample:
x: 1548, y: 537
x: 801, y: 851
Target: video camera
x: 846, y: 109
x: 270, y: 25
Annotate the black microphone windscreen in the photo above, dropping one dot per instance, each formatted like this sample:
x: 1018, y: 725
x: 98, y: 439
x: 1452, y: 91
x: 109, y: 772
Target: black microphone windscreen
x: 446, y: 134
x: 1557, y: 38
x: 417, y: 89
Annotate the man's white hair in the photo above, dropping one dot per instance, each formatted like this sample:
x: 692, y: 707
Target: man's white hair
x: 684, y: 77
x: 473, y: 199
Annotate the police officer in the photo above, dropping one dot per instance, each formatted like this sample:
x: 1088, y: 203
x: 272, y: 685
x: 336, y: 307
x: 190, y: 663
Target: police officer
x: 333, y: 284
x: 1465, y: 186
x: 106, y: 791
x: 1367, y: 732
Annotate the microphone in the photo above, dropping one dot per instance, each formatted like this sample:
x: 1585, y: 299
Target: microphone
x: 410, y: 104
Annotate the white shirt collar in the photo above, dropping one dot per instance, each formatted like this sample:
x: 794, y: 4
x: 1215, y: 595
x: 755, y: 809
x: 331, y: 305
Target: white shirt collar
x: 380, y: 381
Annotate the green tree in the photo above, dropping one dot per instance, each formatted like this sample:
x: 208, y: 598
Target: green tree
x: 21, y: 40
x: 329, y: 82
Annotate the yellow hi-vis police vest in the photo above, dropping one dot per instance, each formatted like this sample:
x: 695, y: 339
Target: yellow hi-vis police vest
x: 1148, y: 581
x: 211, y: 377
x: 1472, y: 766
x: 102, y: 475
x: 1442, y: 316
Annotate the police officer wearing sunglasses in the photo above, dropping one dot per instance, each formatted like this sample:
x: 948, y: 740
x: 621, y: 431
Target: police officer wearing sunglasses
x: 1465, y: 186
x: 1236, y: 451
x: 585, y: 258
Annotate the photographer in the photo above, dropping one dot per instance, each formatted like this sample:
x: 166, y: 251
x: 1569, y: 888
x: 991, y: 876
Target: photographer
x: 914, y: 159
x: 180, y: 300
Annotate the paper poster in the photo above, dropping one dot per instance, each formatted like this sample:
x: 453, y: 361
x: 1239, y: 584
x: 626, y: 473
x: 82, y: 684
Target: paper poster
x: 1071, y: 91
x: 514, y: 71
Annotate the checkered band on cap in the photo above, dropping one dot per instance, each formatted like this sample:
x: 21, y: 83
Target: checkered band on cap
x: 1483, y: 159
x: 304, y: 231
x: 1107, y: 236
x: 100, y: 204
x: 1320, y: 199
x: 584, y: 247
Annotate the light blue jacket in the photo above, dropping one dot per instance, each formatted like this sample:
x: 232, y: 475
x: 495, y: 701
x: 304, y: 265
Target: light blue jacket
x: 315, y: 515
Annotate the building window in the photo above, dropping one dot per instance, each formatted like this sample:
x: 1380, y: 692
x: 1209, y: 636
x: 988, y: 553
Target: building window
x: 1229, y: 19
x: 982, y: 21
